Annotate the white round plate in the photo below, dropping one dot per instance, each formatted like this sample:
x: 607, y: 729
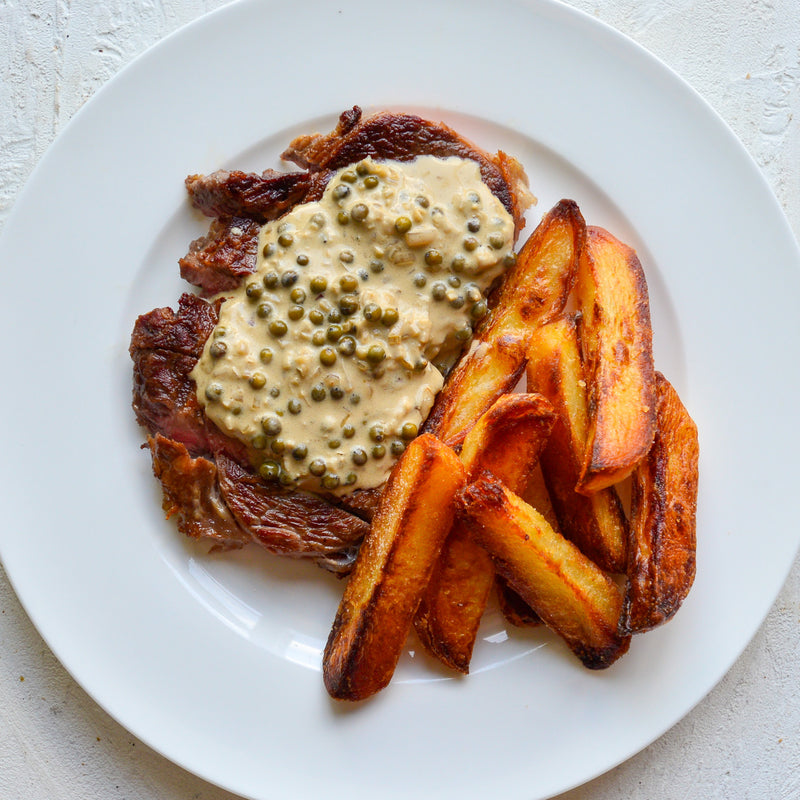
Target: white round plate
x: 214, y: 660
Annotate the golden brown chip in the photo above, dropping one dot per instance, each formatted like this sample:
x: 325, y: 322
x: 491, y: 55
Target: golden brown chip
x: 506, y: 440
x: 596, y: 523
x: 535, y: 290
x: 616, y: 342
x: 572, y: 595
x: 393, y: 567
x: 661, y: 568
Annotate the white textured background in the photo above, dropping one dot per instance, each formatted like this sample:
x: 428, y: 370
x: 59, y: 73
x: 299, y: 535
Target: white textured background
x: 743, y: 740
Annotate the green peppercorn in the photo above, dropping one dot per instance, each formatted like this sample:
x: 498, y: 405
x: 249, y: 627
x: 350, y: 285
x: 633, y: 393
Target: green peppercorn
x: 408, y: 431
x: 347, y: 345
x: 458, y: 264
x: 422, y: 201
x: 337, y: 393
x: 327, y: 356
x: 372, y: 312
x: 463, y: 332
x: 340, y: 192
x: 318, y: 338
x: 348, y: 177
x: 254, y: 290
x: 496, y: 240
x: 269, y: 470
x: 348, y: 304
x: 348, y: 283
x: 285, y: 240
x: 396, y: 448
x: 376, y: 265
x: 342, y: 218
x: 271, y: 426
x: 457, y: 301
x: 348, y: 431
x: 269, y: 250
x: 376, y: 354
x: 318, y: 284
x: 263, y: 310
x: 257, y: 380
x: 433, y: 258
x: 330, y: 481
x: 318, y: 393
x: 259, y: 441
x: 218, y: 349
x: 420, y: 280
x: 334, y: 315
x: 334, y: 333
x: 479, y: 310
x: 334, y: 444
x: 376, y: 433
x: 355, y: 399
x: 510, y: 260
x: 389, y: 317
x: 378, y: 451
x: 275, y: 391
x: 454, y: 281
x: 359, y: 212
x: 302, y: 260
x: 317, y: 467
x: 438, y: 291
x: 278, y: 328
x: 285, y: 479
x: 277, y: 446
x: 213, y: 391
x: 316, y: 316
x: 265, y: 355
x: 473, y: 224
x: 271, y: 280
x: 350, y: 478
x: 298, y: 295
x: 296, y: 312
x: 402, y: 224
x: 370, y: 182
x: 299, y: 452
x: 362, y: 169
x: 471, y: 243
x: 294, y: 406
x: 289, y: 278
x: 359, y: 456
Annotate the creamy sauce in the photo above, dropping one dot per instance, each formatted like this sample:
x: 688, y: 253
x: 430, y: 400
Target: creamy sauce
x: 326, y: 361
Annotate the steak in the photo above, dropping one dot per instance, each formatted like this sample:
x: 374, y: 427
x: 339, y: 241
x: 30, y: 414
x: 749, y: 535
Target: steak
x: 207, y: 480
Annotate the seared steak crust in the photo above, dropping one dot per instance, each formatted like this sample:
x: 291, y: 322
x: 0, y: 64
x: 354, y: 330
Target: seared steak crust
x: 220, y: 501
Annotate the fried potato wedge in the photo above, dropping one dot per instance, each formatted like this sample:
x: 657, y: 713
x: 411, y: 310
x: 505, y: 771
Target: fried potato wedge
x: 392, y: 569
x: 596, y: 522
x: 571, y: 594
x: 616, y: 343
x: 535, y: 290
x: 506, y: 441
x: 662, y: 559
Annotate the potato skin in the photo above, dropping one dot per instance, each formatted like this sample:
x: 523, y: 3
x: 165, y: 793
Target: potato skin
x: 596, y: 523
x: 534, y: 291
x: 571, y: 594
x: 506, y: 441
x: 617, y: 350
x: 663, y: 540
x: 393, y: 567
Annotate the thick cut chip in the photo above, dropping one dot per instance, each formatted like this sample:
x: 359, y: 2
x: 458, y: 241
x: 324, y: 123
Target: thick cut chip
x: 616, y: 342
x: 393, y: 567
x: 596, y: 522
x: 661, y: 566
x: 506, y: 440
x: 570, y: 593
x: 535, y: 291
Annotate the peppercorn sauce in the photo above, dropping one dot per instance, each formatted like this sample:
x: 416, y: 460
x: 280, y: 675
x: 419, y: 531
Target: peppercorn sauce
x: 327, y: 359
